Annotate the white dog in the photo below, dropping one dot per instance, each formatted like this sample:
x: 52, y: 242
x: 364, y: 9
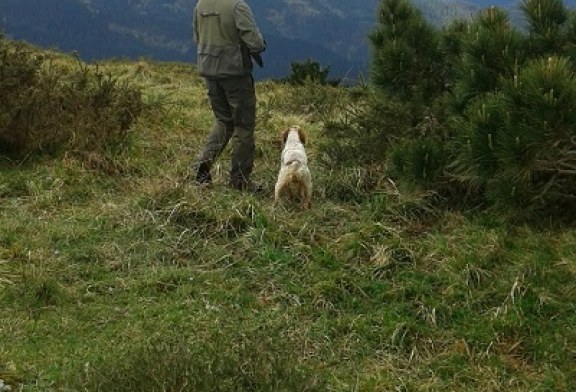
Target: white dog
x: 294, y: 178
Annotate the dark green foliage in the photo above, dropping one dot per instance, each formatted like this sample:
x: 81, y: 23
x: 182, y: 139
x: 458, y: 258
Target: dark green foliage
x: 370, y: 127
x: 539, y: 146
x: 544, y: 96
x: 490, y: 49
x: 451, y: 47
x: 545, y: 22
x: 570, y: 31
x: 475, y: 159
x: 519, y: 144
x: 405, y: 55
x: 421, y: 160
x: 501, y: 101
x: 309, y: 71
x: 49, y: 110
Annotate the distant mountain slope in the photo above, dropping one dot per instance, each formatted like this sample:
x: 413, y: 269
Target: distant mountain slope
x: 70, y: 25
x: 332, y: 32
x: 156, y: 29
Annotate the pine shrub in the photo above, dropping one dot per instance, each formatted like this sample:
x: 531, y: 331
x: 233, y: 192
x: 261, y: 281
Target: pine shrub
x: 503, y: 99
x: 546, y: 21
x: 405, y: 53
x: 309, y: 71
x: 421, y: 161
x: 538, y: 148
x: 477, y: 140
x: 490, y: 49
x: 370, y: 126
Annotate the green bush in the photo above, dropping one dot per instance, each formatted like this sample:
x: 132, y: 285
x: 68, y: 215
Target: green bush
x: 490, y: 49
x: 405, y: 56
x: 45, y: 109
x: 547, y: 26
x: 477, y: 139
x: 309, y: 71
x: 372, y: 123
x: 420, y: 160
x: 482, y: 107
x: 520, y: 144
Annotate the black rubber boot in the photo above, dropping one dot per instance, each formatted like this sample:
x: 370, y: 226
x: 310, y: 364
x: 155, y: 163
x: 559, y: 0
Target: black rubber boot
x: 203, y: 176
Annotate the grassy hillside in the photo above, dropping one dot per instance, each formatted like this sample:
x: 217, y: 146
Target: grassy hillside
x: 118, y: 274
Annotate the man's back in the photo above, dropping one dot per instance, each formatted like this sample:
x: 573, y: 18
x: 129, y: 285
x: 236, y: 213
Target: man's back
x: 215, y: 23
x: 221, y: 29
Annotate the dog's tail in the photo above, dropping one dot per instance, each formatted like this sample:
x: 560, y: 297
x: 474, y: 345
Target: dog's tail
x: 293, y: 169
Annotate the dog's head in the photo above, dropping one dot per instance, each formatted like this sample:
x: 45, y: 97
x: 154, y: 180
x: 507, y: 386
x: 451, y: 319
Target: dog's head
x: 294, y: 128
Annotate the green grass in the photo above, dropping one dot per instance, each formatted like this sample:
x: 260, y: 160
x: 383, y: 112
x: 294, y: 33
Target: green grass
x: 133, y: 279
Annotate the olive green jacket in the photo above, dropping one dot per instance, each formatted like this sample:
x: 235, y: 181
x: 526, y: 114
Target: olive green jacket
x: 225, y: 34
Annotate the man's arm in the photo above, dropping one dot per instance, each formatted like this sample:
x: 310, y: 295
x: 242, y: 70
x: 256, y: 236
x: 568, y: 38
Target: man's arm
x: 195, y: 26
x: 249, y: 32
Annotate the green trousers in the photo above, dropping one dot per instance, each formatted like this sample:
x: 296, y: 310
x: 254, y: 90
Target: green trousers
x: 233, y: 101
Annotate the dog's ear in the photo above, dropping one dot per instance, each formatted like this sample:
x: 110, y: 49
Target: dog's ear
x: 301, y: 135
x: 284, y: 136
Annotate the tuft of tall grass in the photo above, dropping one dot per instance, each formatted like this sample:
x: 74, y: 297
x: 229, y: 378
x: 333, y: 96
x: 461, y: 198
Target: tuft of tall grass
x: 218, y: 360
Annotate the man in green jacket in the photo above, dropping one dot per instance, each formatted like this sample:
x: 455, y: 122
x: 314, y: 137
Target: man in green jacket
x: 227, y: 37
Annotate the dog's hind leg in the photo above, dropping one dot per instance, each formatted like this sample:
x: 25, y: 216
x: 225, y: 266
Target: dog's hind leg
x: 304, y: 194
x: 278, y: 189
x: 308, y: 200
x: 306, y: 189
